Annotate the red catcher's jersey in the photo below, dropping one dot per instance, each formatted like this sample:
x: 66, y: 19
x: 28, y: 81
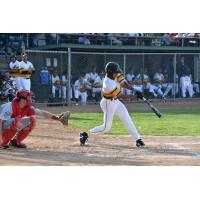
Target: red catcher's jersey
x: 21, y: 112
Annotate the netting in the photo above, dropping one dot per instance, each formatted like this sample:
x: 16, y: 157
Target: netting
x: 133, y: 66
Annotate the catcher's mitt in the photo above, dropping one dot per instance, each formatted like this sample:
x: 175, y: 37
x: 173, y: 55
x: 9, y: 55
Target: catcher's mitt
x: 97, y: 85
x: 83, y: 89
x: 64, y: 117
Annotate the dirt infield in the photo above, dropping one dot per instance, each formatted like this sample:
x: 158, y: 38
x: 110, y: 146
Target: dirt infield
x: 52, y: 144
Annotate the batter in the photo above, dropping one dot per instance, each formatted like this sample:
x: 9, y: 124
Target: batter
x: 111, y: 106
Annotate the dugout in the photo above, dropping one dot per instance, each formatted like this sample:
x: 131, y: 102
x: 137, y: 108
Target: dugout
x: 81, y: 58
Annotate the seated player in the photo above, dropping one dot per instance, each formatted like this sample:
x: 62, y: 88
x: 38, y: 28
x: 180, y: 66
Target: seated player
x: 56, y: 85
x: 97, y: 87
x: 80, y: 90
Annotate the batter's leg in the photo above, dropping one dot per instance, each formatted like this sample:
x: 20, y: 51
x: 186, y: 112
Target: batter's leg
x: 108, y: 108
x: 124, y: 116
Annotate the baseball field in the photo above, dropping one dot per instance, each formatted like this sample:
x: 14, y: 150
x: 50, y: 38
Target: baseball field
x: 173, y: 139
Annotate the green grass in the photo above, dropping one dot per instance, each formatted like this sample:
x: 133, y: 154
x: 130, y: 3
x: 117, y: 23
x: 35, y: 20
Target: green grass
x: 182, y: 122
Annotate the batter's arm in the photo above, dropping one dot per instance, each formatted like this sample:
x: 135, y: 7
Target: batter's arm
x: 127, y: 85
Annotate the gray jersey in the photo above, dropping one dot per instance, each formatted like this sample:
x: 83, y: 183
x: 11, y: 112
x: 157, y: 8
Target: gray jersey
x: 6, y: 111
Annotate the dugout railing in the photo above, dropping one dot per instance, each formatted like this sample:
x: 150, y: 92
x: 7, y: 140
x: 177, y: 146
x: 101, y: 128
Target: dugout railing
x: 72, y: 64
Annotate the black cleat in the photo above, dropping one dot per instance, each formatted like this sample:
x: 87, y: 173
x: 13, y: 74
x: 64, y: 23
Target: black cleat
x: 14, y: 143
x: 4, y: 146
x: 83, y: 138
x: 140, y: 143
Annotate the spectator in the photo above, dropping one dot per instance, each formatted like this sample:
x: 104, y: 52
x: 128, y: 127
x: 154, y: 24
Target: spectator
x: 166, y: 39
x: 113, y: 39
x: 132, y: 38
x: 83, y: 40
x: 56, y: 85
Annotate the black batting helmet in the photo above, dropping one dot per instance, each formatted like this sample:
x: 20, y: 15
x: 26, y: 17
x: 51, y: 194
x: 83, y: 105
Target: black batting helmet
x: 111, y: 68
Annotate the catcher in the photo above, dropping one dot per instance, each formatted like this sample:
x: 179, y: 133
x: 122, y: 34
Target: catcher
x: 17, y: 120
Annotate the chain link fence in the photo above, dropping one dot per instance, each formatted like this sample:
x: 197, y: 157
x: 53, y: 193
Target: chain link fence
x: 138, y: 66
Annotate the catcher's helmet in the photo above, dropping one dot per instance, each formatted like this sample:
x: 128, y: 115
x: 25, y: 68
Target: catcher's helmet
x: 25, y: 94
x: 111, y: 68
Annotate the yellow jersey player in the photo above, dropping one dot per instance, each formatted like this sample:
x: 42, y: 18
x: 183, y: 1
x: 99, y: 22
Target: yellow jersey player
x: 111, y: 106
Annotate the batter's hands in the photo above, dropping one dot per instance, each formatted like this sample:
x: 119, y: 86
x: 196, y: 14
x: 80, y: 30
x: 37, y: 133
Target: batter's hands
x: 139, y: 95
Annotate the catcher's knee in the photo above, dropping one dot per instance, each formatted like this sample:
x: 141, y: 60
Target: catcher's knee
x: 29, y: 122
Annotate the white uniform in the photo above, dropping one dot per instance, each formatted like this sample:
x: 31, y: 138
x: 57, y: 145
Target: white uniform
x: 186, y: 85
x: 16, y: 77
x: 129, y: 78
x: 77, y: 93
x: 112, y: 106
x: 64, y: 86
x: 98, y: 81
x: 156, y: 87
x: 138, y: 86
x: 55, y: 80
x: 170, y: 86
x: 64, y: 80
x: 93, y: 76
x: 196, y: 87
x: 25, y: 79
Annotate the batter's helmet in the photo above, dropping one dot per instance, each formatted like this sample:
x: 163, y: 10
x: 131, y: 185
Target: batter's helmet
x: 111, y: 68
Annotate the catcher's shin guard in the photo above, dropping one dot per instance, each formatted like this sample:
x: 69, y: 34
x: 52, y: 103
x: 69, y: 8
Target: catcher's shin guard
x: 9, y: 133
x: 25, y: 132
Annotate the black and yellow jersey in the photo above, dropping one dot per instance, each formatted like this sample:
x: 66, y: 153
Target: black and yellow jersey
x: 111, y: 88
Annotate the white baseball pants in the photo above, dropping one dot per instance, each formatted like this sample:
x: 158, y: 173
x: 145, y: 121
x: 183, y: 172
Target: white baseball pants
x: 54, y: 89
x: 111, y: 108
x: 186, y: 85
x: 83, y: 95
x: 25, y: 84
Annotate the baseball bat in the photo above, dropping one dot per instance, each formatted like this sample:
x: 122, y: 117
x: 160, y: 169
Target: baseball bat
x: 155, y: 110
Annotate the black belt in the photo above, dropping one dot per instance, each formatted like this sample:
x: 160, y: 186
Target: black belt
x: 110, y: 98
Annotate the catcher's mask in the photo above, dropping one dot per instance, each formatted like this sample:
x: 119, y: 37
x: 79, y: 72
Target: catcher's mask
x: 25, y: 94
x: 111, y: 68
